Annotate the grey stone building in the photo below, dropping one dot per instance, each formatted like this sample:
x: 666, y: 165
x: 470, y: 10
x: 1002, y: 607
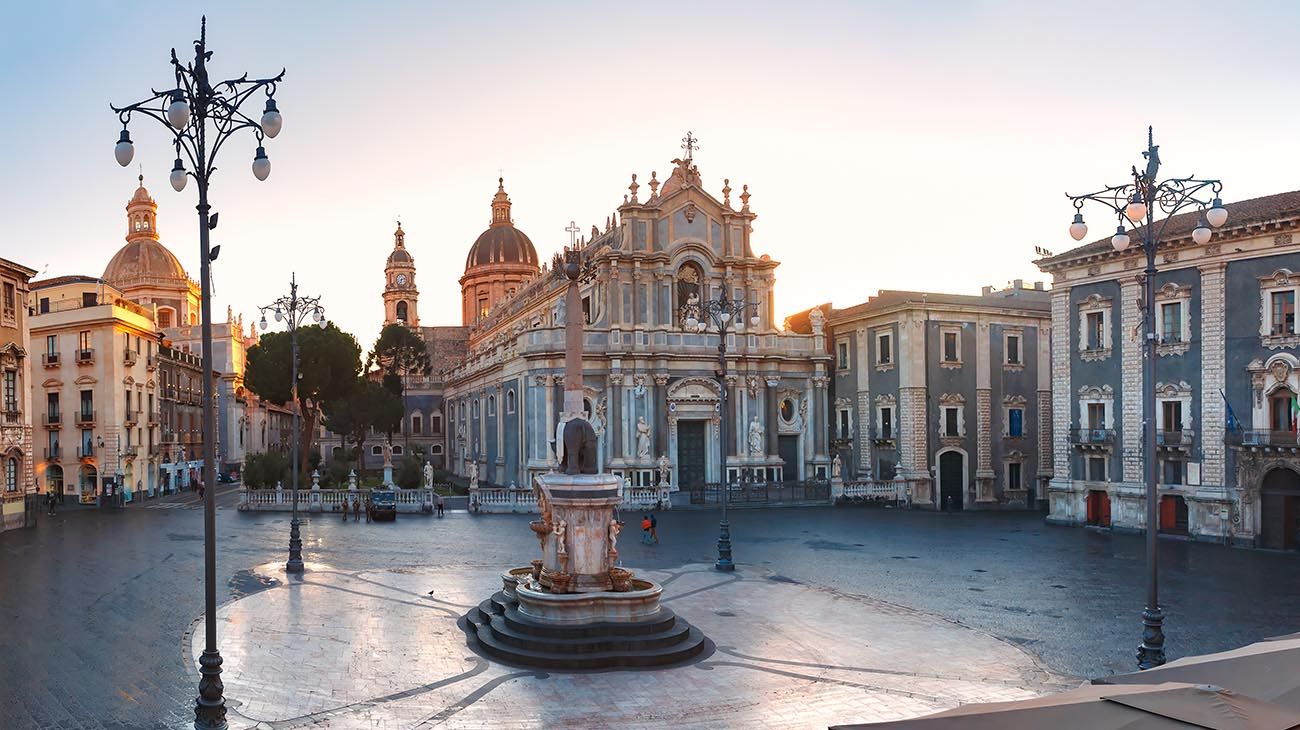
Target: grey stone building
x: 947, y: 392
x: 1227, y: 344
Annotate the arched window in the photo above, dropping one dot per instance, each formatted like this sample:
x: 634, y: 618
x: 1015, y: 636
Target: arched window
x: 417, y: 425
x: 11, y: 474
x: 401, y: 311
x: 689, y: 293
x: 376, y: 451
x: 436, y: 449
x: 475, y: 409
x: 397, y: 450
x: 510, y: 401
x: 492, y: 405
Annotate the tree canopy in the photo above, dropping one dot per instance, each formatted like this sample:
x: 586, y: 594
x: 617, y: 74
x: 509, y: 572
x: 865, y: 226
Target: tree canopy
x: 399, y: 352
x: 329, y: 361
x: 369, y: 406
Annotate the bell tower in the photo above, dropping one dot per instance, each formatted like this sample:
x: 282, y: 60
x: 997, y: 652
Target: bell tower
x: 400, y: 294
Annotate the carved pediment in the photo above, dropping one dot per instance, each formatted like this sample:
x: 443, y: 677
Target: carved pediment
x: 1281, y: 277
x: 695, y: 389
x: 952, y: 399
x: 1092, y: 392
x: 1095, y: 301
x: 1173, y: 390
x: 85, y: 380
x: 1013, y: 400
x: 52, y: 383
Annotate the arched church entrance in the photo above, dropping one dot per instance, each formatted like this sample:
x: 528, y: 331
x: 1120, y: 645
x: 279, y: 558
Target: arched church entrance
x: 952, y: 480
x: 1280, y: 510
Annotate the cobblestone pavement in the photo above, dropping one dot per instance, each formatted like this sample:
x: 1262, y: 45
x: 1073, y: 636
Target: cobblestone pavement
x: 95, y: 607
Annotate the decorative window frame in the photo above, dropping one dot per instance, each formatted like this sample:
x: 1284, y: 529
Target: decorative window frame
x: 1280, y: 371
x: 511, y: 400
x: 955, y: 330
x: 1090, y: 395
x: 1170, y: 392
x: 883, y: 366
x: 1007, y: 334
x: 1010, y: 403
x: 1279, y: 281
x: 957, y: 401
x: 884, y: 401
x: 842, y: 347
x: 1096, y: 303
x: 1106, y: 467
x: 843, y: 406
x: 1168, y: 294
x: 1015, y: 456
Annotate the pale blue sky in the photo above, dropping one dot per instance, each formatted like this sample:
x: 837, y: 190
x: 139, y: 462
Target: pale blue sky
x: 915, y: 145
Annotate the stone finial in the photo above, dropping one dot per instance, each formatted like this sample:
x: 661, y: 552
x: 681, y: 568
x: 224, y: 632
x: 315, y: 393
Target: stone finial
x: 744, y: 199
x: 654, y: 185
x: 595, y: 232
x: 633, y: 188
x: 726, y: 192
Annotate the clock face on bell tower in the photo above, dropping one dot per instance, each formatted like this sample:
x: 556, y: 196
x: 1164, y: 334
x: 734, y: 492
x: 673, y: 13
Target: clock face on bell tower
x: 401, y: 279
x: 400, y: 295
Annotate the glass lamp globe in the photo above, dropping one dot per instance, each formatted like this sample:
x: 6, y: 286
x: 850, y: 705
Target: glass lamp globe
x: 1202, y: 232
x: 1078, y: 229
x: 178, y: 178
x: 724, y: 316
x: 271, y: 119
x: 320, y: 316
x: 124, y: 151
x: 1136, y: 210
x: 262, y: 324
x: 279, y: 316
x: 702, y: 326
x: 1120, y: 240
x: 753, y: 321
x: 178, y: 112
x: 1217, y: 215
x: 691, y: 322
x: 261, y: 164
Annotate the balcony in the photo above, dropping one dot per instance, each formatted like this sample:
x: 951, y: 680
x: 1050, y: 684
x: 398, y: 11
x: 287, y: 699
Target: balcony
x: 883, y: 436
x: 53, y: 453
x: 154, y: 420
x: 85, y: 418
x: 52, y: 421
x: 129, y: 357
x: 86, y: 356
x: 132, y: 418
x: 51, y: 360
x: 11, y: 416
x: 151, y: 362
x: 1262, y: 439
x: 1092, y: 437
x: 85, y: 453
x: 1175, y: 439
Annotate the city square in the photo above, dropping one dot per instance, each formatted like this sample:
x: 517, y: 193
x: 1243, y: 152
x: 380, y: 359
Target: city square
x: 643, y: 419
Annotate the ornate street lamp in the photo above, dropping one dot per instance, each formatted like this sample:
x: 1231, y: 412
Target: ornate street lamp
x: 294, y: 310
x: 1138, y: 202
x: 201, y: 116
x: 722, y: 313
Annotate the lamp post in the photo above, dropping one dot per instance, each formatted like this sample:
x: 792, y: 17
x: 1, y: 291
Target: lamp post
x: 720, y: 313
x: 1138, y: 202
x: 293, y: 310
x: 201, y: 116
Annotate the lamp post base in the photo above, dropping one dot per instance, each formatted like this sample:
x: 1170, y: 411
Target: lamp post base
x: 295, y: 549
x: 210, y: 708
x: 1152, y: 651
x: 724, y: 548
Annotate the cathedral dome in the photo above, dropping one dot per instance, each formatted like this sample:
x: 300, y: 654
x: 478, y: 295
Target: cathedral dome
x: 501, y: 243
x: 144, y: 260
x: 400, y: 255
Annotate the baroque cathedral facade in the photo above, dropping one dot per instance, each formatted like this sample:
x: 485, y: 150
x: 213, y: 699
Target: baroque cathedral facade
x: 650, y: 387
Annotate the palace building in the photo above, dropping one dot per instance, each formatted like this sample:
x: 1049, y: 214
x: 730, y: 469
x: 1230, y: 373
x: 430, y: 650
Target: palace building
x: 650, y: 386
x: 1227, y: 377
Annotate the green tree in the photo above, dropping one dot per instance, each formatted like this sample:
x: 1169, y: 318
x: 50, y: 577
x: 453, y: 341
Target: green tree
x: 400, y: 354
x: 329, y: 361
x: 368, y: 406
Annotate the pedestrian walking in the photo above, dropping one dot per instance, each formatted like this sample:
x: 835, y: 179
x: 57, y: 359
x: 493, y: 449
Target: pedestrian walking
x: 441, y: 504
x: 370, y: 508
x: 654, y: 528
x: 356, y: 509
x: 345, y: 511
x: 200, y: 487
x: 645, y: 529
x: 49, y: 501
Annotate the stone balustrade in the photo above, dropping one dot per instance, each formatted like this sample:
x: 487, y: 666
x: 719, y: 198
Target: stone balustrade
x: 502, y: 500
x: 888, y: 491
x: 327, y: 500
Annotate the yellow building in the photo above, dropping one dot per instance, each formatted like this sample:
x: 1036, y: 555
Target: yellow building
x: 16, y: 451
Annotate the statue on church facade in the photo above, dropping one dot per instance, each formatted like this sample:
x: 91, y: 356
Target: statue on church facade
x: 665, y: 468
x: 837, y: 467
x: 471, y: 473
x: 755, y: 437
x: 642, y: 438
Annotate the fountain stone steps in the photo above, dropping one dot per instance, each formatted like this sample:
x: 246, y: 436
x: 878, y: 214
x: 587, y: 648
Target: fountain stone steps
x: 596, y: 641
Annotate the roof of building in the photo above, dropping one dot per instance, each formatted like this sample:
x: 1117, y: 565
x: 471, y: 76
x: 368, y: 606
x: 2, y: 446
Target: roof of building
x: 400, y: 254
x: 1036, y: 300
x: 17, y: 267
x: 1241, y: 213
x: 61, y: 280
x: 501, y: 243
x: 144, y: 260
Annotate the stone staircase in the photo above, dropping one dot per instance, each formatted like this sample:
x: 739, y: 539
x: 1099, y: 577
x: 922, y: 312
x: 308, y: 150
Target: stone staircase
x: 498, y: 630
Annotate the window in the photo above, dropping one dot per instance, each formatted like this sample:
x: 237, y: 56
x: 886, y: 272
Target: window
x: 52, y: 405
x: 1096, y: 332
x: 1015, y: 422
x: 1013, y: 350
x: 376, y: 451
x: 1013, y: 475
x: 1096, y: 415
x: 950, y: 424
x: 1283, y: 311
x: 164, y: 318
x: 884, y: 349
x: 1171, y: 471
x: 11, y: 474
x: 510, y: 401
x: 886, y: 422
x: 44, y: 305
x: 435, y: 423
x: 87, y: 405
x: 492, y: 406
x: 83, y: 340
x: 1172, y: 410
x: 1171, y: 322
x: 482, y: 307
x: 843, y: 423
x: 417, y: 425
x: 397, y: 450
x: 52, y: 444
x: 51, y: 345
x: 87, y: 442
x: 10, y: 301
x: 1281, y: 411
x: 951, y: 351
x: 842, y: 355
x: 11, y: 391
x: 401, y: 311
x: 88, y: 299
x: 1096, y: 468
x: 436, y: 449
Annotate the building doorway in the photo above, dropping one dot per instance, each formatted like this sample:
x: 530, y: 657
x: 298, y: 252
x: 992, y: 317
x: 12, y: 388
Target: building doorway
x: 1280, y: 510
x: 787, y: 447
x: 692, y: 456
x: 1098, y: 508
x: 952, y: 480
x: 1173, y: 514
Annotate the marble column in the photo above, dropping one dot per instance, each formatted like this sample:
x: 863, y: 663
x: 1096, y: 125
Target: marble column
x: 773, y: 417
x: 617, y: 428
x: 661, y: 415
